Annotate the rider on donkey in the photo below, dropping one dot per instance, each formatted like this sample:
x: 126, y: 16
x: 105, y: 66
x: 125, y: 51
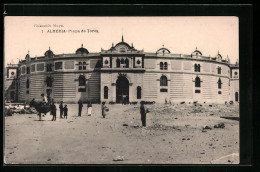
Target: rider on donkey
x: 45, y: 100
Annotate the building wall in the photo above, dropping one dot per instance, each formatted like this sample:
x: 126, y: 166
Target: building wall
x: 181, y: 85
x: 234, y: 84
x: 180, y: 74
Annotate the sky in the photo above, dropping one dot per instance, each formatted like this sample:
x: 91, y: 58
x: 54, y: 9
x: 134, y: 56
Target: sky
x: 181, y: 35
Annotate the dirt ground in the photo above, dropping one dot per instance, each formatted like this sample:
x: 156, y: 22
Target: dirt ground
x: 173, y: 135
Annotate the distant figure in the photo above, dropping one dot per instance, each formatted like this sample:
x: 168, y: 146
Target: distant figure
x: 143, y: 112
x: 89, y: 111
x: 61, y: 109
x: 80, y: 107
x: 53, y: 111
x: 65, y: 109
x: 104, y: 109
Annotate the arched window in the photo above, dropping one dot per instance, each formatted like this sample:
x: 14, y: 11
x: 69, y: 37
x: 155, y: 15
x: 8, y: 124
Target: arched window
x: 27, y: 83
x: 219, y: 83
x: 122, y: 61
x: 82, y: 80
x: 84, y: 66
x: 49, y: 67
x: 139, y: 94
x: 117, y: 63
x: 163, y: 81
x: 236, y: 96
x: 195, y: 67
x: 28, y: 70
x: 161, y: 65
x: 49, y: 81
x: 219, y: 70
x: 126, y: 63
x: 165, y: 66
x: 197, y: 82
x: 198, y: 68
x: 105, y: 92
x: 80, y: 65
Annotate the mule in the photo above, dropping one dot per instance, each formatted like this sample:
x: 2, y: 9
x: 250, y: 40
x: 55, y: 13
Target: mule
x: 41, y: 107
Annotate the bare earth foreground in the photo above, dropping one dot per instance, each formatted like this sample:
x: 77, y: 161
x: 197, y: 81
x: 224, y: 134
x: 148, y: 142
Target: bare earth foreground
x: 173, y: 135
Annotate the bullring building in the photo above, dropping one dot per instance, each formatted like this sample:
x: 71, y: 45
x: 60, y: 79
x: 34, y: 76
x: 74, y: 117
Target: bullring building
x: 124, y: 73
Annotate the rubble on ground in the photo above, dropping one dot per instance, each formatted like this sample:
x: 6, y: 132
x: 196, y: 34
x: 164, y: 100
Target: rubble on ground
x: 221, y: 125
x: 118, y: 158
x: 162, y: 127
x: 18, y: 109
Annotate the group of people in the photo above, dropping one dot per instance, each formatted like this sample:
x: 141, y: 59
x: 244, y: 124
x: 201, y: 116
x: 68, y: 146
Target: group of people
x: 63, y: 111
x: 104, y: 108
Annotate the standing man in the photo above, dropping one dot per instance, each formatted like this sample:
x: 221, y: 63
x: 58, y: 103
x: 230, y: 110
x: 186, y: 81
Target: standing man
x: 143, y: 112
x: 61, y: 109
x: 80, y: 107
x: 53, y: 111
x: 65, y: 111
x: 104, y: 109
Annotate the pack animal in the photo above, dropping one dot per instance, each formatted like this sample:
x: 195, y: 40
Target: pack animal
x: 41, y: 107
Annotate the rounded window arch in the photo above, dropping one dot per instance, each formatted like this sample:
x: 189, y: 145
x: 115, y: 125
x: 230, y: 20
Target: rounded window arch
x: 84, y: 63
x: 195, y: 68
x: 165, y: 67
x: 49, y: 81
x: 163, y: 81
x: 198, y: 68
x: 117, y: 62
x: 105, y: 92
x: 161, y: 65
x: 122, y: 61
x: 219, y: 70
x: 80, y: 63
x: 82, y: 80
x: 27, y: 83
x: 126, y: 63
x: 236, y: 96
x: 197, y: 82
x: 139, y: 92
x: 219, y: 83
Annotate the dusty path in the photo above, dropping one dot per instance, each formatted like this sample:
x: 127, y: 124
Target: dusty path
x: 171, y: 137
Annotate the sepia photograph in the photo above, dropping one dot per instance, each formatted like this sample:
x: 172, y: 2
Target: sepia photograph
x: 121, y: 90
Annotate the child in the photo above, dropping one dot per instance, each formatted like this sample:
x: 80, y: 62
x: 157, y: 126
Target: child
x: 89, y: 109
x: 65, y: 110
x: 53, y: 111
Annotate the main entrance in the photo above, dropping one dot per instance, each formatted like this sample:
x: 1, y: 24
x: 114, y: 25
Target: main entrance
x: 122, y: 90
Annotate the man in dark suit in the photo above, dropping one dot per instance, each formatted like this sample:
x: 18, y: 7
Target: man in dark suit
x: 61, y: 109
x: 53, y: 111
x: 80, y: 107
x: 143, y: 112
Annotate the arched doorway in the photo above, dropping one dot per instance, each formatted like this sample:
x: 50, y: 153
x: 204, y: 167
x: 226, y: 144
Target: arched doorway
x: 122, y: 90
x: 12, y: 96
x: 236, y: 96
